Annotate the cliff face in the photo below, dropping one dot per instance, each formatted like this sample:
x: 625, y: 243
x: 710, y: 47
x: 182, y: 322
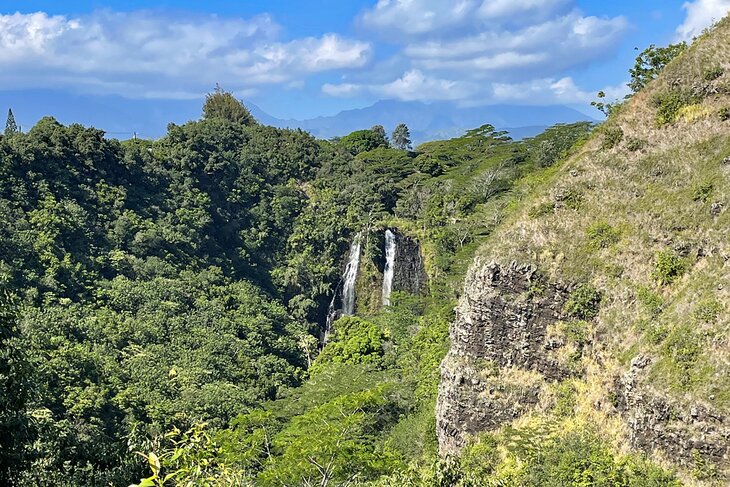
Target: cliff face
x: 409, y: 272
x: 502, y: 351
x: 655, y: 422
x: 506, y: 351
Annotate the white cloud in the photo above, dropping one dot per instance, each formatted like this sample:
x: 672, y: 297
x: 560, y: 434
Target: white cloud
x: 148, y: 54
x: 521, y: 10
x: 414, y: 17
x: 473, y: 51
x: 411, y: 86
x: 700, y: 15
x: 415, y: 85
x: 551, y: 91
x: 409, y: 18
x: 477, y: 43
x: 544, y: 49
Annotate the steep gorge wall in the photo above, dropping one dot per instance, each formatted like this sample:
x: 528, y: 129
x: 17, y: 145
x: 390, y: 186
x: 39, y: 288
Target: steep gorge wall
x: 684, y: 433
x: 505, y: 353
x: 501, y: 351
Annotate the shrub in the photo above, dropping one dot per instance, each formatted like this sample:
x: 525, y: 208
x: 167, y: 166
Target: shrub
x: 703, y: 469
x: 668, y: 105
x: 711, y: 74
x: 707, y: 311
x: 683, y: 346
x: 635, y: 144
x: 668, y: 266
x: 569, y: 198
x: 693, y: 112
x: 583, y: 303
x: 724, y: 114
x: 655, y: 333
x: 601, y: 235
x: 576, y: 331
x: 480, y: 457
x: 580, y: 458
x: 612, y: 136
x: 702, y: 191
x: 541, y: 210
x: 651, y: 301
x: 565, y: 400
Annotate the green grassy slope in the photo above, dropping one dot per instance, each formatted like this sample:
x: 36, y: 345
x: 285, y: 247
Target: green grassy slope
x: 641, y: 215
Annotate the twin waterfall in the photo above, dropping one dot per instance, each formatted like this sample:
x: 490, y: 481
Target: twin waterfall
x: 389, y: 270
x: 409, y: 275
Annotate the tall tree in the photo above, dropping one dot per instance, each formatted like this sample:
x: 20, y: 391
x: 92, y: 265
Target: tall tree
x: 380, y: 134
x: 401, y: 137
x: 10, y: 126
x: 223, y: 105
x: 651, y: 62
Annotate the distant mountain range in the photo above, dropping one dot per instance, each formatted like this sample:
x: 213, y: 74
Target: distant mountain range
x: 432, y: 121
x: 122, y: 118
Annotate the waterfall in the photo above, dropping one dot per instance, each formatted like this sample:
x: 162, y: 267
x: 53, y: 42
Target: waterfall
x: 349, y: 277
x: 331, y: 317
x: 389, y: 266
x: 348, y: 290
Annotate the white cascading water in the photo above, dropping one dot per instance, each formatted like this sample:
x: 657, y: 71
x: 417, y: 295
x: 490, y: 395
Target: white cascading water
x: 349, y: 277
x: 389, y: 266
x: 331, y: 317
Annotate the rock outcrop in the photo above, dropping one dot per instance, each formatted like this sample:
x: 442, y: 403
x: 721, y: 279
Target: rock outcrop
x: 505, y: 351
x: 501, y: 351
x: 689, y: 435
x: 409, y: 272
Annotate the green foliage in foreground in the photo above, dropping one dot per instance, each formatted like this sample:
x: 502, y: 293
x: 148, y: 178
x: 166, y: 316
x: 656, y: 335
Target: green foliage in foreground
x: 533, y: 458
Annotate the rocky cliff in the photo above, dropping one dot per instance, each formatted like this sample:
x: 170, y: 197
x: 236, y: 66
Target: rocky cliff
x: 409, y: 272
x: 502, y: 351
x: 688, y: 434
x: 507, y: 343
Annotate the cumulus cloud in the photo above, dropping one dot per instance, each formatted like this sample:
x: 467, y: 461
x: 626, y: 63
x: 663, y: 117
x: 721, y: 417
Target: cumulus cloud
x: 475, y: 51
x: 550, y: 90
x: 414, y: 17
x: 147, y: 54
x: 700, y: 15
x: 411, y: 86
x: 408, y: 18
x: 544, y: 49
x: 417, y: 86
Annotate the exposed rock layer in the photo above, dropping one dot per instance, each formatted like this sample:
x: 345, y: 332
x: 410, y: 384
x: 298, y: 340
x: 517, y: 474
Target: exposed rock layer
x: 503, y: 352
x: 409, y: 272
x: 688, y: 435
x: 501, y: 322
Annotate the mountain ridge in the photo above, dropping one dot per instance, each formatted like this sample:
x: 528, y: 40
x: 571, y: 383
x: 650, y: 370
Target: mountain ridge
x: 430, y: 121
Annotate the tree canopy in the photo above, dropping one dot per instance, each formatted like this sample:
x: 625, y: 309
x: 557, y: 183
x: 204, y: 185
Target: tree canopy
x: 11, y: 127
x: 401, y: 137
x: 651, y: 62
x: 222, y: 105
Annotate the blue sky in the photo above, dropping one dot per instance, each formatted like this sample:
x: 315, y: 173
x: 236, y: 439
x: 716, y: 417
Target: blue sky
x: 305, y: 58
